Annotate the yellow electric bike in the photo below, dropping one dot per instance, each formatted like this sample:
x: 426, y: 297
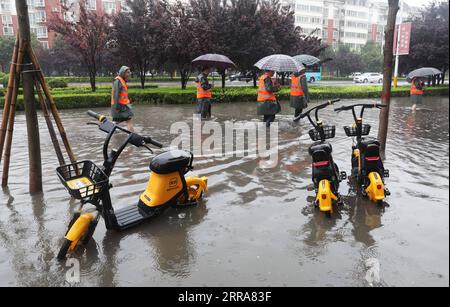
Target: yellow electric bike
x: 89, y: 183
x: 367, y: 167
x: 325, y: 173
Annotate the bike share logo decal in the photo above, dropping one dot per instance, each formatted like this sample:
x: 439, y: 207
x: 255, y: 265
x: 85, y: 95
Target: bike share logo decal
x: 173, y: 183
x: 211, y: 139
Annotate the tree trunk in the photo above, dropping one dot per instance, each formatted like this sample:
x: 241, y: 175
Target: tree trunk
x: 183, y: 79
x: 222, y: 74
x: 34, y: 149
x: 254, y: 79
x: 387, y: 72
x: 142, y: 77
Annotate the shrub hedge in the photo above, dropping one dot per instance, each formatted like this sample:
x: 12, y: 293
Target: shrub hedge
x: 83, y: 98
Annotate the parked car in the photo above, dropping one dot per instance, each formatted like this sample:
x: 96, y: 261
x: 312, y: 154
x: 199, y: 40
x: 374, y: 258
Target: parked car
x: 242, y: 76
x: 214, y: 74
x: 354, y: 75
x: 369, y: 77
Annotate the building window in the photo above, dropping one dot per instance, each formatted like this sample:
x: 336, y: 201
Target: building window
x: 5, y: 6
x: 302, y: 7
x: 45, y: 45
x: 91, y: 4
x: 302, y: 19
x: 7, y: 20
x: 41, y: 32
x: 316, y: 20
x: 358, y: 14
x: 40, y: 16
x: 316, y: 9
x: 36, y: 3
x: 8, y: 31
x: 109, y: 7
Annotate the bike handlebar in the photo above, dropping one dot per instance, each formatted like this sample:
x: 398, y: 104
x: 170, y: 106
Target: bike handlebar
x: 137, y: 138
x: 364, y: 105
x: 321, y: 106
x: 148, y: 140
x: 95, y: 115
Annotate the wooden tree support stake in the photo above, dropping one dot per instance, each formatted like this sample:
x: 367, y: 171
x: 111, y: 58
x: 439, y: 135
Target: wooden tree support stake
x: 49, y: 123
x: 53, y: 107
x: 7, y: 106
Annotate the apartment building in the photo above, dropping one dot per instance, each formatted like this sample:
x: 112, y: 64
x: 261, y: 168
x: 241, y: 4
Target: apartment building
x: 349, y: 22
x: 40, y: 10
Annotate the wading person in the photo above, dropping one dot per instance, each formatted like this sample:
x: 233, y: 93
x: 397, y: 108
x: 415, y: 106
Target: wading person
x: 204, y: 94
x: 268, y: 105
x: 299, y: 92
x: 416, y: 92
x: 120, y: 103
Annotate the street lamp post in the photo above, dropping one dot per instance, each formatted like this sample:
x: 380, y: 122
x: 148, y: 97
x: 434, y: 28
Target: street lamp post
x: 397, y: 57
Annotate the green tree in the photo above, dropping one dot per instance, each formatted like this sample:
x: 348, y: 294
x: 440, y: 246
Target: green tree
x: 6, y: 50
x: 429, y: 39
x: 343, y: 61
x: 372, y: 57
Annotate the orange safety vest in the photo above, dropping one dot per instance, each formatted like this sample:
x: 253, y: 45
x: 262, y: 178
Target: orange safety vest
x: 264, y: 95
x: 202, y: 93
x: 123, y: 94
x: 296, y: 87
x: 414, y: 90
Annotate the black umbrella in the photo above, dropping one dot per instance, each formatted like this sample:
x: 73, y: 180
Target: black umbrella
x: 306, y: 59
x: 423, y: 72
x: 218, y: 61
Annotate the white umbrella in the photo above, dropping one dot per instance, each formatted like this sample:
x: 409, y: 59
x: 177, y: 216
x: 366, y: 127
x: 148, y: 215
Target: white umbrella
x: 279, y: 63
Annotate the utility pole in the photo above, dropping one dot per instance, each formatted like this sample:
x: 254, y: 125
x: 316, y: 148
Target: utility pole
x: 34, y: 146
x: 387, y: 72
x: 397, y: 57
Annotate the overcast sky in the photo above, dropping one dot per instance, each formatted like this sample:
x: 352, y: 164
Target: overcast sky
x: 417, y: 2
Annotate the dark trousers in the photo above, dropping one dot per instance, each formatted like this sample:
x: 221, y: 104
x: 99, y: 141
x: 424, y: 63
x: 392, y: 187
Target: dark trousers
x: 268, y: 119
x: 203, y: 107
x: 297, y: 112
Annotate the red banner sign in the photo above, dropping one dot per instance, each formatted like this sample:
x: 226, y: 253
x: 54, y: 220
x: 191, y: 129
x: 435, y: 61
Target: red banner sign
x: 405, y: 38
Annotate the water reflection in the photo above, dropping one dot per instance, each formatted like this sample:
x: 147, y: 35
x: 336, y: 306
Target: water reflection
x: 249, y: 212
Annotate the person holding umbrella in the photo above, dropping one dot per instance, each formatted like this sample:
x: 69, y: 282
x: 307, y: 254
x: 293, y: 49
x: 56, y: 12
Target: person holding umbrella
x: 417, y: 78
x: 204, y: 94
x: 268, y: 105
x: 299, y: 92
x: 416, y: 92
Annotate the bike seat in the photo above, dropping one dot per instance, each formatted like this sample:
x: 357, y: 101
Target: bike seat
x: 170, y: 161
x: 365, y: 142
x: 319, y: 146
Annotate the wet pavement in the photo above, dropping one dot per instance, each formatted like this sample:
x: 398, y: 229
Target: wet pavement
x: 255, y: 227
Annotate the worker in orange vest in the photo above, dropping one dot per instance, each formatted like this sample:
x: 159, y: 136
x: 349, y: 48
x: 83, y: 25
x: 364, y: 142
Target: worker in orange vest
x: 299, y: 92
x: 204, y: 94
x: 268, y: 105
x: 416, y: 92
x: 121, y: 110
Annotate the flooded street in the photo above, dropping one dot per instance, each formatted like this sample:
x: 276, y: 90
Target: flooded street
x: 255, y: 227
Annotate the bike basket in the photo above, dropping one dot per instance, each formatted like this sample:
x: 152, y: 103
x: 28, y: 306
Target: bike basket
x: 82, y: 179
x: 328, y: 130
x: 351, y: 131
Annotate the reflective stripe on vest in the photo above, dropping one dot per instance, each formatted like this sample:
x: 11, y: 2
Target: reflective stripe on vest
x: 264, y: 95
x: 296, y: 87
x: 414, y: 90
x: 202, y: 93
x: 123, y: 93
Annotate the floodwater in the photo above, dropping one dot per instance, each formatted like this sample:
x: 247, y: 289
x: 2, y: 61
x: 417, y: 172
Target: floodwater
x: 256, y: 226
